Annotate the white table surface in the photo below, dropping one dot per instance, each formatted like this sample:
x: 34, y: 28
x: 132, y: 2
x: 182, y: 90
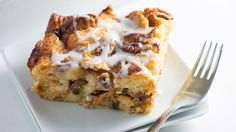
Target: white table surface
x: 196, y: 21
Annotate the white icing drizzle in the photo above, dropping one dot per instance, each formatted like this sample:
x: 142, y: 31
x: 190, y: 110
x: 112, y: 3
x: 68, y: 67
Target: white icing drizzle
x: 124, y: 27
x: 138, y: 63
x: 124, y: 71
x: 115, y: 32
x: 74, y: 22
x: 75, y: 57
x: 90, y: 34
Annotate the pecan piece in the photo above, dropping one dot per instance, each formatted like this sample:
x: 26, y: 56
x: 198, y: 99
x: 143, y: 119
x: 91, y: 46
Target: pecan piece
x: 158, y: 12
x: 131, y: 69
x: 64, y: 26
x: 134, y: 47
x: 76, y: 85
x: 97, y: 51
x: 83, y: 23
x: 153, y: 20
x: 135, y: 37
x: 155, y: 48
x: 138, y: 18
x: 116, y: 68
x: 67, y: 59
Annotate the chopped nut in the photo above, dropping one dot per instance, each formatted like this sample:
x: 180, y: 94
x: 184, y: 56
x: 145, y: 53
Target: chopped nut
x: 76, y: 85
x: 66, y: 60
x: 158, y: 12
x: 97, y: 51
x: 153, y: 20
x: 133, y: 47
x: 155, y: 48
x: 84, y: 23
x: 131, y: 70
x: 63, y: 27
x: 138, y: 18
x: 116, y: 68
x: 135, y: 37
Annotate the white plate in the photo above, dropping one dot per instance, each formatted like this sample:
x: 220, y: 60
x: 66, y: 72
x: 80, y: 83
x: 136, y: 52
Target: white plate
x: 52, y: 116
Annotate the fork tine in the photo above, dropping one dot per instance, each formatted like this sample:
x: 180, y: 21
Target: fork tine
x: 204, y: 61
x: 211, y: 60
x: 217, y: 63
x: 198, y: 58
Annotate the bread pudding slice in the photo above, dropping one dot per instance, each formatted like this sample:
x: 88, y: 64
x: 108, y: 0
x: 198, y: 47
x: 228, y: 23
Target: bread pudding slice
x: 102, y: 60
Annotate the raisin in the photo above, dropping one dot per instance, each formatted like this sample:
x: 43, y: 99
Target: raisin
x: 125, y: 91
x: 115, y: 105
x: 76, y: 85
x: 104, y: 80
x: 143, y: 98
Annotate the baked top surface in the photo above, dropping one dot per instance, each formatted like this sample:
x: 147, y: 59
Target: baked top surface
x: 102, y: 60
x: 104, y: 41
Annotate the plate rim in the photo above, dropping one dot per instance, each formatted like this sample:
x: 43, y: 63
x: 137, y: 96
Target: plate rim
x: 19, y: 87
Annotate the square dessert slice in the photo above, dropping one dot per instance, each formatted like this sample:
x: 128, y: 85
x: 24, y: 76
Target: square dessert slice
x: 102, y: 60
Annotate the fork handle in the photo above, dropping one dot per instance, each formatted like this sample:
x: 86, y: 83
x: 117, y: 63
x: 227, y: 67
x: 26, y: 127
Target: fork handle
x: 159, y: 122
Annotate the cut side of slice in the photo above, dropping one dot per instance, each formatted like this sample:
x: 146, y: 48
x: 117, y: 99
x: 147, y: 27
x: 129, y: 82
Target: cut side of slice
x: 102, y: 60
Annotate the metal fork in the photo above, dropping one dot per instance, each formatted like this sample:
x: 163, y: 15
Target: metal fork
x: 196, y: 86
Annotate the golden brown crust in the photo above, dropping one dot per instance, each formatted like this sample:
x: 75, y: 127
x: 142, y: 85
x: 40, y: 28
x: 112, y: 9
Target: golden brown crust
x: 57, y: 21
x: 44, y: 48
x: 39, y: 51
x: 65, y: 69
